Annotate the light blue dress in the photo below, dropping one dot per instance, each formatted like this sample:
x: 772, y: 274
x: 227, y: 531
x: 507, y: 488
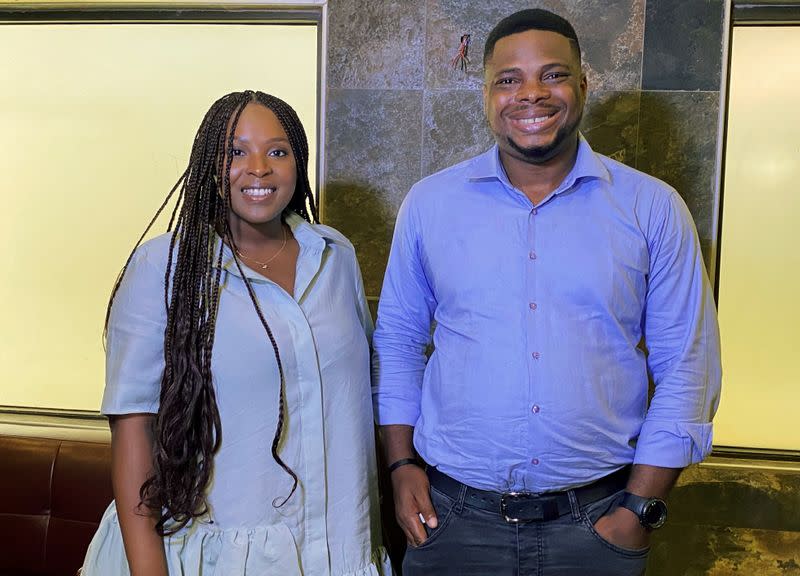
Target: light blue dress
x: 330, y: 526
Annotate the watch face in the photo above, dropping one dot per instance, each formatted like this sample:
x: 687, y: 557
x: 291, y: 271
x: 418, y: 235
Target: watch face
x: 654, y: 513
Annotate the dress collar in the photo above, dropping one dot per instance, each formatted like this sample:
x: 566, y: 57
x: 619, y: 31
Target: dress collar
x: 312, y: 239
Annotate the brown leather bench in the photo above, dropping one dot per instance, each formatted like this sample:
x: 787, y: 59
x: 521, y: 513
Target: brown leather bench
x: 52, y: 495
x: 54, y: 490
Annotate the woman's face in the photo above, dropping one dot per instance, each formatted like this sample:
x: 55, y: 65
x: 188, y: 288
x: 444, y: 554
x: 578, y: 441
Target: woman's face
x: 263, y: 169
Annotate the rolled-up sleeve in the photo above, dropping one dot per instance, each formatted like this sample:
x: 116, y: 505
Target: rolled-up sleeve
x: 682, y: 338
x: 135, y: 341
x: 402, y: 334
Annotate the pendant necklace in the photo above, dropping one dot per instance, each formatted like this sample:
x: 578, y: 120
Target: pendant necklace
x: 265, y: 265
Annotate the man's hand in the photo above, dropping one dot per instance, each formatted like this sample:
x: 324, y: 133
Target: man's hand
x: 412, y: 498
x: 622, y: 528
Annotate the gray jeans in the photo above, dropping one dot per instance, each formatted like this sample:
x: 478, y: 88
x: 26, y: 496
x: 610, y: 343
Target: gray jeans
x: 474, y: 542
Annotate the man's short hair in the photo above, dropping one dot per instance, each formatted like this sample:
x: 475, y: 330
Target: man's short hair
x: 531, y: 19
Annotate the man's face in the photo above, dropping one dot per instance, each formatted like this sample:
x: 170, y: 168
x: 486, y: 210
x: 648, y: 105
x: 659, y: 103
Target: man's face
x: 533, y: 95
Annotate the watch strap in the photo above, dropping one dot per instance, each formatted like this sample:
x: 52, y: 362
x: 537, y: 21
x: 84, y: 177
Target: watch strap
x: 634, y: 503
x: 640, y: 505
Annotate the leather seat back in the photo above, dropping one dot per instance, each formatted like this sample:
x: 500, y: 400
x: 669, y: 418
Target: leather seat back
x: 52, y: 496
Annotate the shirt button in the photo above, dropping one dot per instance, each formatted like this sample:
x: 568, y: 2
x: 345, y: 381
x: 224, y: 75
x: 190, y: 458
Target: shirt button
x: 535, y: 461
x: 535, y: 409
x: 532, y: 255
x: 534, y: 211
x: 536, y: 355
x: 532, y: 305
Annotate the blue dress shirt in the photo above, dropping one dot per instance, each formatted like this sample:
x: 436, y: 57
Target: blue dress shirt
x: 548, y: 319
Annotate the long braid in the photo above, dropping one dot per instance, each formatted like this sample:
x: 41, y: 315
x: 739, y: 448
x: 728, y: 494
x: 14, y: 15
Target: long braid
x: 179, y: 184
x: 188, y: 426
x: 188, y: 429
x: 276, y: 439
x: 269, y: 102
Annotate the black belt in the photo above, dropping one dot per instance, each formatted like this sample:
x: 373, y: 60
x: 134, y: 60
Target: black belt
x: 526, y: 506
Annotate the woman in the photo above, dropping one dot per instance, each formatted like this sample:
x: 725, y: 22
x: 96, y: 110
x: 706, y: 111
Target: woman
x: 237, y: 373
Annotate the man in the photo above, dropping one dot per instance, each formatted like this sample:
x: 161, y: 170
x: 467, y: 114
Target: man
x: 557, y: 279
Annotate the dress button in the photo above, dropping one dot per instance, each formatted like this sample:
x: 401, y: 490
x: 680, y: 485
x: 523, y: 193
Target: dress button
x: 535, y: 461
x: 536, y: 355
x: 535, y: 409
x: 532, y: 255
x: 532, y: 305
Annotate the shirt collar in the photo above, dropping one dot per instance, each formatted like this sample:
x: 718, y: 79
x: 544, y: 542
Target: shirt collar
x: 487, y: 166
x: 310, y: 238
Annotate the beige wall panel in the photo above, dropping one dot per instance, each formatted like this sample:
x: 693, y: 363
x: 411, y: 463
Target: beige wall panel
x: 97, y: 124
x: 759, y: 285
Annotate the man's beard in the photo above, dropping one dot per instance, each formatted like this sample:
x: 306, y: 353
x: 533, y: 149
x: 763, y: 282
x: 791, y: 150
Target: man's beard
x: 541, y: 154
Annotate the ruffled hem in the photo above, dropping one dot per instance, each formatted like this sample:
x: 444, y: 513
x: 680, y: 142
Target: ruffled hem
x: 205, y: 551
x: 379, y: 565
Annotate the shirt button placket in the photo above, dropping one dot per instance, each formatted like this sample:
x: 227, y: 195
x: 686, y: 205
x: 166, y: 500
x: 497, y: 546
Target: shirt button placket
x: 532, y: 307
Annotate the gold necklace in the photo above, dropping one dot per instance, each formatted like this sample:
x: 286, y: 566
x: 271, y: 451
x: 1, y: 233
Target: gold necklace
x: 265, y: 265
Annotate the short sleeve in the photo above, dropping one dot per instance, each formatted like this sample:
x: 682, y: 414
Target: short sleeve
x: 364, y: 315
x: 135, y: 340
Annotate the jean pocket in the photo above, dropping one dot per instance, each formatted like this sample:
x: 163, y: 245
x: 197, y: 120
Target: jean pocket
x: 444, y: 506
x: 591, y: 513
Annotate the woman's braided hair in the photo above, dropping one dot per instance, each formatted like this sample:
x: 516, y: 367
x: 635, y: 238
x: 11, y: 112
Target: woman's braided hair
x: 187, y: 427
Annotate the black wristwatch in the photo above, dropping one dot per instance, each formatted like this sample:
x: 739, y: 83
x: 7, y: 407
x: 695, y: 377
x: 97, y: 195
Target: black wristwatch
x: 652, y: 512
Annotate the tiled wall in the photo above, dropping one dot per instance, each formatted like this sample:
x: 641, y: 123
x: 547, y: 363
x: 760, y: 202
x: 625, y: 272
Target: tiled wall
x: 397, y: 111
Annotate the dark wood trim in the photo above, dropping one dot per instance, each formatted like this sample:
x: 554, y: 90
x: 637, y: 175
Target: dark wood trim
x: 52, y: 413
x: 765, y: 12
x: 764, y: 454
x: 155, y: 14
x: 725, y: 103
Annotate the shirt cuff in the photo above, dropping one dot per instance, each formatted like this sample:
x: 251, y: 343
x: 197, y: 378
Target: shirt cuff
x: 394, y: 411
x: 673, y: 444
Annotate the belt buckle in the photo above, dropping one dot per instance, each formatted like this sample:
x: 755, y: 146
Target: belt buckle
x: 504, y: 505
x: 543, y: 508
